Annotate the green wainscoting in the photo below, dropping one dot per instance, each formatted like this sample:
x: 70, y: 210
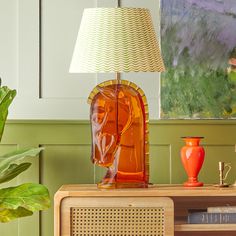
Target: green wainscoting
x: 66, y: 158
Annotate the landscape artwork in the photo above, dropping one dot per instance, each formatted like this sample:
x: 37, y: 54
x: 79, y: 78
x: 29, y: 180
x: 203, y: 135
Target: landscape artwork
x: 198, y: 41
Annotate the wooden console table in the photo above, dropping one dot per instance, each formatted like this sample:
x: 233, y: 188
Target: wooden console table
x: 183, y: 198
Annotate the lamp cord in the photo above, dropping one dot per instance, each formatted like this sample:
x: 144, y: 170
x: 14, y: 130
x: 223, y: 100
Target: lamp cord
x: 118, y: 3
x: 117, y: 76
x: 117, y: 73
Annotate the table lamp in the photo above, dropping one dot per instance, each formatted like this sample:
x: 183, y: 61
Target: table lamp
x: 118, y: 40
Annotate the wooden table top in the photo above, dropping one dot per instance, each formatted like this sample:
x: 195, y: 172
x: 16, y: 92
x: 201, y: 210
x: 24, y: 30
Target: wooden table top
x: 153, y: 190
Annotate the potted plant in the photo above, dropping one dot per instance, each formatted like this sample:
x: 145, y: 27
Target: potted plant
x: 22, y: 200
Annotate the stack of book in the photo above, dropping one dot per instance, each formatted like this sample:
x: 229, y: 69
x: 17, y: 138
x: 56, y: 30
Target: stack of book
x: 214, y: 215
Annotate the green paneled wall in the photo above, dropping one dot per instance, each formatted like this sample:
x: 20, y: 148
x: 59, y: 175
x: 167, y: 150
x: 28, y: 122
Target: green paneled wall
x: 66, y: 158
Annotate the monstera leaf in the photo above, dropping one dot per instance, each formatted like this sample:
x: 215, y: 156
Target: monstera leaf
x: 22, y: 200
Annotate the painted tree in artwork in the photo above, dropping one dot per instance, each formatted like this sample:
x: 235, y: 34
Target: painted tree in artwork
x: 198, y: 44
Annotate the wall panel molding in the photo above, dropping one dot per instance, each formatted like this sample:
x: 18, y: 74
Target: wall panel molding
x: 66, y: 158
x: 45, y: 40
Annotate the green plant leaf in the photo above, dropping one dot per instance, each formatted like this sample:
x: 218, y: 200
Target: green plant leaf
x: 6, y: 94
x: 7, y: 215
x: 12, y: 171
x: 32, y: 197
x: 24, y: 199
x: 17, y: 155
x: 6, y: 97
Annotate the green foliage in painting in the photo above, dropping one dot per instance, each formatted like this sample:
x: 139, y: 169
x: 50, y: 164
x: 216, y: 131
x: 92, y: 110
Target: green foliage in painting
x: 199, y: 50
x: 212, y: 94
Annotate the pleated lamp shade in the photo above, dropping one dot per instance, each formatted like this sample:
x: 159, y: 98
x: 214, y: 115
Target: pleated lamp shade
x: 116, y: 40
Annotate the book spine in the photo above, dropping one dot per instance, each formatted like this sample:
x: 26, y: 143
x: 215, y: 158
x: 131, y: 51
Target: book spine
x: 222, y: 209
x: 211, y: 218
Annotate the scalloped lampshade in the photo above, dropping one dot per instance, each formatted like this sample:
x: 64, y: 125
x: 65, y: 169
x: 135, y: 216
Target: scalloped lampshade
x: 116, y: 40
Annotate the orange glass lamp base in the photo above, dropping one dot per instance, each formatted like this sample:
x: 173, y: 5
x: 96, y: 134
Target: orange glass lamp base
x: 192, y: 156
x: 123, y: 180
x: 119, y: 119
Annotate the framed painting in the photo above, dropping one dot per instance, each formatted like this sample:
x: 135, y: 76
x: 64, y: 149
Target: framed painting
x: 198, y: 40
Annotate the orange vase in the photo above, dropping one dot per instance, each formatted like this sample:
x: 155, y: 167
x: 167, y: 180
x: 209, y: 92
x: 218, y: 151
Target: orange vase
x: 192, y: 156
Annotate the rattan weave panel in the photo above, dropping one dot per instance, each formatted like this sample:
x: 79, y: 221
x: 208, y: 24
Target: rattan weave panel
x: 117, y: 221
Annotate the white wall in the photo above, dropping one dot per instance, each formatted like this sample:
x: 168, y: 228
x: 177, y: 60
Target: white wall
x: 36, y: 49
